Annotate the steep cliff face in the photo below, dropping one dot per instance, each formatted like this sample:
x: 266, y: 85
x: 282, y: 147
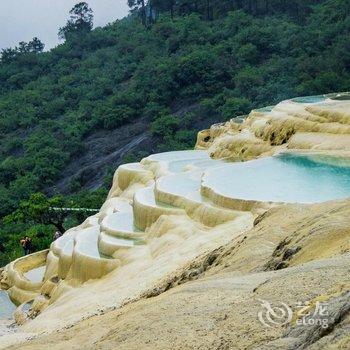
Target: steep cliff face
x: 165, y: 223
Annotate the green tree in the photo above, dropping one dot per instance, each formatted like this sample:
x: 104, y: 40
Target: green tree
x: 235, y: 107
x: 36, y: 45
x: 39, y: 209
x: 139, y: 6
x: 165, y: 125
x: 79, y: 23
x: 8, y: 55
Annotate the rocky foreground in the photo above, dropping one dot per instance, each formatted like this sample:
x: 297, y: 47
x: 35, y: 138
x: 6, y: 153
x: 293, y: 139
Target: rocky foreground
x: 170, y: 263
x: 293, y: 254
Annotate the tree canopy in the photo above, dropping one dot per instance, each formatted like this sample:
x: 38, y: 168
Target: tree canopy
x: 79, y: 23
x: 34, y: 46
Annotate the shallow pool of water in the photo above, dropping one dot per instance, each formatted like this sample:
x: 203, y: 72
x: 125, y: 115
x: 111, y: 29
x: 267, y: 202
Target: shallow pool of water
x: 146, y: 197
x: 6, y: 306
x: 36, y: 275
x: 180, y: 165
x: 179, y: 184
x: 309, y: 99
x: 87, y: 243
x: 284, y: 178
x: 120, y: 221
x: 190, y: 164
x: 178, y: 155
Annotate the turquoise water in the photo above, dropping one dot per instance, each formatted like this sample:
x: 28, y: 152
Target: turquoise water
x: 284, y: 178
x: 6, y: 306
x: 309, y: 99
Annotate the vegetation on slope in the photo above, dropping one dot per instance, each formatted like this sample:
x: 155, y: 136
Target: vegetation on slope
x: 174, y: 65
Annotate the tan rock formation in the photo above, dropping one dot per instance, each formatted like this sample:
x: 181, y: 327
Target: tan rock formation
x: 322, y: 125
x: 13, y: 279
x: 164, y: 223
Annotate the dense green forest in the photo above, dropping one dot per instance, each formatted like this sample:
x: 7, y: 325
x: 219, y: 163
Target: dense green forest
x: 173, y: 66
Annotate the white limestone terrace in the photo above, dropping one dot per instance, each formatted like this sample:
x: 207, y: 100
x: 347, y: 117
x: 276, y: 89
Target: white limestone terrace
x: 176, y: 161
x: 284, y: 178
x: 171, y: 207
x: 119, y: 225
x: 88, y: 251
x: 265, y: 180
x: 209, y: 192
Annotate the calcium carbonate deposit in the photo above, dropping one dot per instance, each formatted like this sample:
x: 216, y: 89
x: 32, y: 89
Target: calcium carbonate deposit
x: 163, y: 213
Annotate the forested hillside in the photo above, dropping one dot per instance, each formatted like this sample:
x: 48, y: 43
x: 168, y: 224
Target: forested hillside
x: 147, y: 83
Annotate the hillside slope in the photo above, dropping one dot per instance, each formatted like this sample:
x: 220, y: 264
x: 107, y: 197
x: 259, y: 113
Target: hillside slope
x: 88, y: 98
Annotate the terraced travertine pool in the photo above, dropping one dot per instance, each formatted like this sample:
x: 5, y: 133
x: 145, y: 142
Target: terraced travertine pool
x: 7, y: 309
x: 6, y: 306
x: 178, y: 155
x: 36, y: 275
x: 310, y: 99
x: 286, y: 178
